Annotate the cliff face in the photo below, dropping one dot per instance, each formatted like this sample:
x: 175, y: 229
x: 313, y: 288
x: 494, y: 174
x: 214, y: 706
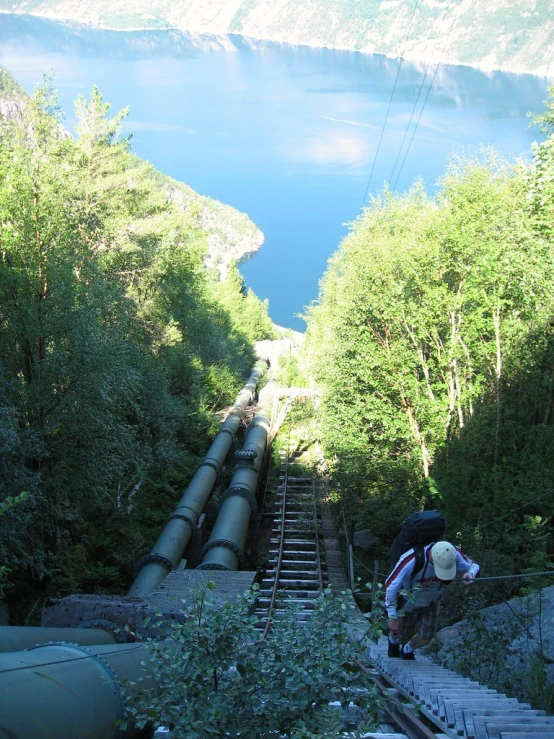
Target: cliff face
x: 231, y: 235
x: 516, y: 35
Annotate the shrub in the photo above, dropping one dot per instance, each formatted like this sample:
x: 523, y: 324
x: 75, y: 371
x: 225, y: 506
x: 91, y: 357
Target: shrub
x: 216, y: 676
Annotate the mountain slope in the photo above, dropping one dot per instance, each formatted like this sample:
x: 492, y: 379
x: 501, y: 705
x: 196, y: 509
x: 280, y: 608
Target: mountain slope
x: 515, y: 35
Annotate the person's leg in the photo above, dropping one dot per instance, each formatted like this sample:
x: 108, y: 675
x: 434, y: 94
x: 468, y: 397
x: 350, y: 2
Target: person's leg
x: 394, y: 641
x: 405, y: 626
x: 426, y: 631
x: 418, y: 641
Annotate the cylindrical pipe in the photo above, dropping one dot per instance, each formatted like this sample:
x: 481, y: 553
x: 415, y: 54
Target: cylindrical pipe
x: 172, y: 542
x: 228, y: 535
x: 225, y: 547
x: 67, y: 690
x: 17, y: 638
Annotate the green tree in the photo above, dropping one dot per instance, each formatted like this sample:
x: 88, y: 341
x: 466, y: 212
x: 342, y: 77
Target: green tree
x: 115, y: 351
x: 69, y: 367
x: 540, y: 178
x: 9, y: 88
x: 415, y: 338
x: 249, y: 314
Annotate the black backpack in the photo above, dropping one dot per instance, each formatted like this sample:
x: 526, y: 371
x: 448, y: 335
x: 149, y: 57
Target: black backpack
x: 419, y: 529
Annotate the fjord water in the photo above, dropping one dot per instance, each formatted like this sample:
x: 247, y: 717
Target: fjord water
x: 286, y: 134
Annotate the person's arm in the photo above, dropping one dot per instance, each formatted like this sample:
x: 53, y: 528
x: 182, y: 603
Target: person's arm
x: 403, y: 569
x: 469, y: 569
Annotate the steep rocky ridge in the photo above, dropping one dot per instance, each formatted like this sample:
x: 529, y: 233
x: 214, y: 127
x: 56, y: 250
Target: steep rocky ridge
x: 516, y: 35
x: 231, y: 234
x: 11, y: 109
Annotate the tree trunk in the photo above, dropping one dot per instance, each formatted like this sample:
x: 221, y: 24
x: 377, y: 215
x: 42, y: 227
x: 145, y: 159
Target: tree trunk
x: 498, y: 373
x: 419, y: 437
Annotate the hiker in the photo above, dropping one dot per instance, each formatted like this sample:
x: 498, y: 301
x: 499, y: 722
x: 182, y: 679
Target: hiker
x: 439, y: 564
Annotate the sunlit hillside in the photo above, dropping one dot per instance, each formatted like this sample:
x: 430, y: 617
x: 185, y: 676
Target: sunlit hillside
x: 515, y: 35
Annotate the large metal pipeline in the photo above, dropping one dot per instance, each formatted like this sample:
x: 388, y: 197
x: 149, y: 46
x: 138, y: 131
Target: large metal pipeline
x: 65, y: 690
x: 225, y: 547
x: 170, y: 546
x: 17, y: 638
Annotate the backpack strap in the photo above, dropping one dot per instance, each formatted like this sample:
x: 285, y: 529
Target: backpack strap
x: 419, y: 550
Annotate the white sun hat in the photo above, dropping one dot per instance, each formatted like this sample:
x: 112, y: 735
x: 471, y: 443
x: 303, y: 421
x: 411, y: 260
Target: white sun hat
x: 444, y: 560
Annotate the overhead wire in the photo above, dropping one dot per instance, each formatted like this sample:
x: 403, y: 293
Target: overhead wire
x: 439, y: 64
x: 548, y: 573
x: 80, y: 658
x: 390, y: 103
x: 431, y: 56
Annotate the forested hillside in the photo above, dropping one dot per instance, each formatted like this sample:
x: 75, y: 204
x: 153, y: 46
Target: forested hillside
x: 118, y: 347
x: 490, y: 34
x: 433, y: 342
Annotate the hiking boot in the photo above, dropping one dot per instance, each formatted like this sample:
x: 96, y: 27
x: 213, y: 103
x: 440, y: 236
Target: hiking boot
x: 394, y: 650
x: 407, y: 655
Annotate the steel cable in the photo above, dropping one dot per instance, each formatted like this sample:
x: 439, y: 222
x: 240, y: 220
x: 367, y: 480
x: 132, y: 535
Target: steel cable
x: 417, y: 99
x: 424, y: 104
x: 389, y: 106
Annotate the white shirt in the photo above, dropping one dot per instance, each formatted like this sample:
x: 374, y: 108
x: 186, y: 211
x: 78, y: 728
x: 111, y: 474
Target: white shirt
x: 425, y: 588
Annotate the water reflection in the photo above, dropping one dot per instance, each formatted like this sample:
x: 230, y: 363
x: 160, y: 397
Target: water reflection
x: 287, y: 134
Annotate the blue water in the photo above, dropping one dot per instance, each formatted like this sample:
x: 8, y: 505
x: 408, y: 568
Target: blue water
x: 288, y: 135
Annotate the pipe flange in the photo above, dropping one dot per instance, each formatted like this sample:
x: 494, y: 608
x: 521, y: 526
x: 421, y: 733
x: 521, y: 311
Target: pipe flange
x: 182, y: 517
x: 120, y: 635
x: 178, y: 513
x: 244, y: 492
x: 60, y: 643
x: 222, y: 543
x: 158, y: 558
x: 229, y: 431
x: 112, y: 681
x: 214, y: 464
x: 247, y: 454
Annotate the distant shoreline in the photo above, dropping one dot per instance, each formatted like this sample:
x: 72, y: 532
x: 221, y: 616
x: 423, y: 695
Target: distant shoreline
x: 411, y: 58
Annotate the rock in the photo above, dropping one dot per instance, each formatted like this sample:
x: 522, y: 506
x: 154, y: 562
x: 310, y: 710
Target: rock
x: 364, y: 539
x: 11, y: 109
x: 514, y: 640
x: 231, y: 235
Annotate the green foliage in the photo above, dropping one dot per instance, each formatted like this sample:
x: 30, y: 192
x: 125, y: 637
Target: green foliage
x: 12, y: 501
x: 215, y: 676
x: 290, y: 372
x: 9, y: 88
x: 248, y: 313
x: 546, y: 120
x: 5, y: 506
x: 117, y: 351
x: 432, y: 342
x: 540, y: 177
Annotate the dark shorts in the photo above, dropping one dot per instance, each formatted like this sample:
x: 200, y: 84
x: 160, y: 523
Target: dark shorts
x: 424, y: 622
